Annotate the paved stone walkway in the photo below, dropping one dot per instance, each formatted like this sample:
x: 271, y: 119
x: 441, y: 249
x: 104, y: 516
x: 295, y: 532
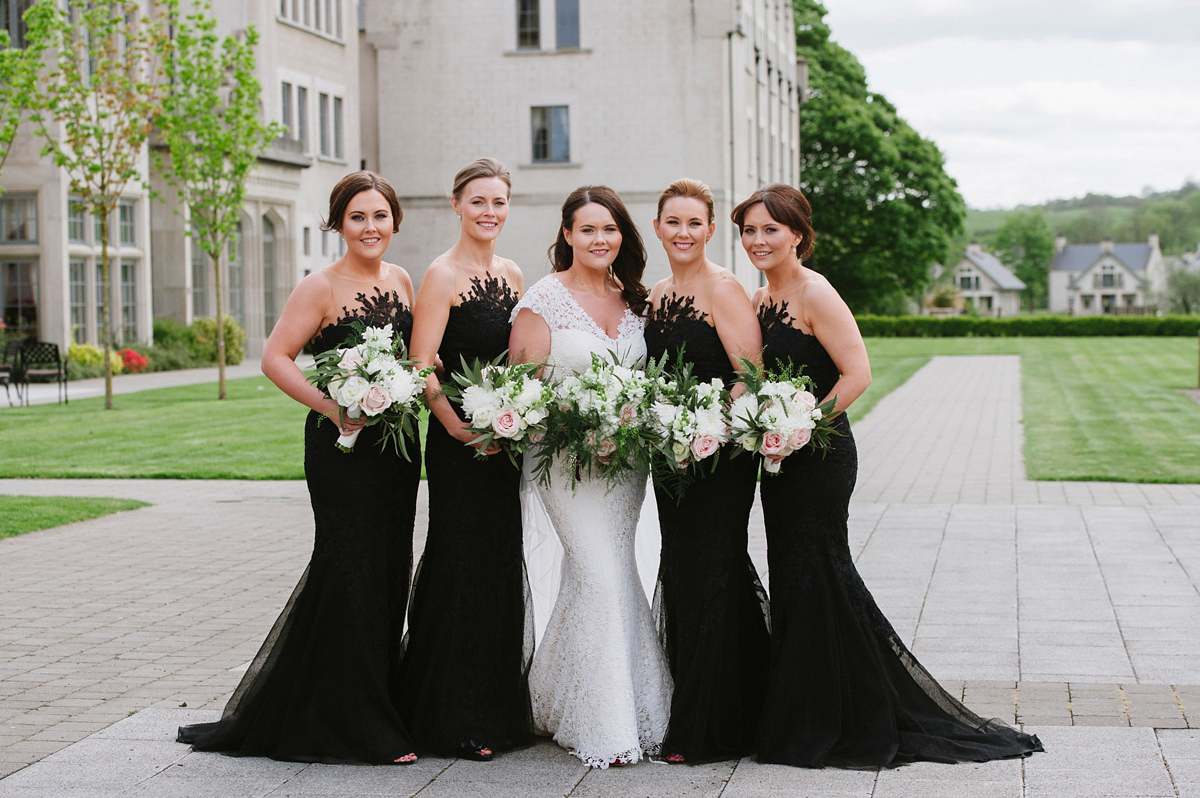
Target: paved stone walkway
x: 43, y: 393
x: 1071, y: 608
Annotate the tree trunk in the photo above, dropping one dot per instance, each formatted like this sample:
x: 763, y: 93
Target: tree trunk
x: 109, y: 315
x: 220, y: 323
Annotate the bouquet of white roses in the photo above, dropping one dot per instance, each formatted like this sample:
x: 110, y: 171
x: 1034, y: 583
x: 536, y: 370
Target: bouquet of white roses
x: 689, y: 420
x: 505, y: 405
x: 601, y: 420
x: 778, y: 414
x: 371, y: 375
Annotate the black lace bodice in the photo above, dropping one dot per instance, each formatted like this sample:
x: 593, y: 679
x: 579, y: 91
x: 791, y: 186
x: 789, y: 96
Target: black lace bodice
x: 784, y: 343
x: 675, y: 325
x: 478, y: 327
x: 383, y: 308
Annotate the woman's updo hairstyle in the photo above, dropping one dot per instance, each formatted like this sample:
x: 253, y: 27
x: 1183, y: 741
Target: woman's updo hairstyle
x: 483, y: 167
x: 787, y: 206
x: 351, y: 186
x: 688, y: 189
x: 630, y: 262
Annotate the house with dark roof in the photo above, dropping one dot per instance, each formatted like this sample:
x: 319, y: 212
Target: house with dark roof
x: 1090, y: 279
x: 988, y: 284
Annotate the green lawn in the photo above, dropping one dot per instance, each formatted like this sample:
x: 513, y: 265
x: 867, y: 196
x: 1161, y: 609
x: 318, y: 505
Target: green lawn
x: 1095, y: 408
x: 20, y: 514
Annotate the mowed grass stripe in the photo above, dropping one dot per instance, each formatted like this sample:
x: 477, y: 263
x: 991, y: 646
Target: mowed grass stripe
x: 21, y: 514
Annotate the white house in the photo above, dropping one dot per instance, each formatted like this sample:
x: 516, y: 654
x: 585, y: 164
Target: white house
x: 987, y: 283
x: 1089, y: 279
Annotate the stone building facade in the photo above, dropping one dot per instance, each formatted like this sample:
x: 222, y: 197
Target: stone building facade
x: 1106, y: 278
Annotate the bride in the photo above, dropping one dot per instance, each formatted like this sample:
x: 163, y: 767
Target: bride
x: 599, y: 680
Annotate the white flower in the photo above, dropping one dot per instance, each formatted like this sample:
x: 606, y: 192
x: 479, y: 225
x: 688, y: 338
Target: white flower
x: 378, y: 337
x: 351, y: 391
x: 401, y: 385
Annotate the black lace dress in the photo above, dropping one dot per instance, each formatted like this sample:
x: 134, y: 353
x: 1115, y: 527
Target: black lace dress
x: 711, y: 606
x: 465, y: 676
x: 323, y: 686
x: 844, y: 689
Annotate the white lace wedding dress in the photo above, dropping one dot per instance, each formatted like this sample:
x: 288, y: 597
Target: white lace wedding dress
x: 599, y: 680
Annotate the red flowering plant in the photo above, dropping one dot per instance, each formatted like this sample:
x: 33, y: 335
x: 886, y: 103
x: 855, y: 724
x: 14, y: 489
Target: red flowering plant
x: 133, y: 361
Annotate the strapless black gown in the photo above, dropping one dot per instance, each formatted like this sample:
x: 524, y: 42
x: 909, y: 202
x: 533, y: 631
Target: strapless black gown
x: 711, y: 606
x: 323, y: 686
x: 844, y: 689
x: 465, y: 677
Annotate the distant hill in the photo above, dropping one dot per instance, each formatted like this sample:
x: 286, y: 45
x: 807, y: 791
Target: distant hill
x: 1173, y: 215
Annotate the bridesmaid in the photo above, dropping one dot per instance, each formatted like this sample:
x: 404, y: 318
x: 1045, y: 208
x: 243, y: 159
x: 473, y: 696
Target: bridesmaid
x: 464, y: 684
x: 843, y: 690
x: 713, y: 608
x: 322, y: 687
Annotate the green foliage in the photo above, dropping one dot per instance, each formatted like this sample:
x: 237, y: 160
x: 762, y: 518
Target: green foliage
x: 884, y: 208
x: 21, y: 514
x: 84, y: 362
x: 18, y: 72
x: 170, y: 331
x: 204, y: 330
x: 1025, y: 244
x: 213, y: 133
x: 1016, y: 326
x: 1183, y: 291
x: 99, y: 93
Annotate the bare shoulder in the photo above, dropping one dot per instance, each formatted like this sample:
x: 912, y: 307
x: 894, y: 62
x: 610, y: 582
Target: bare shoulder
x: 401, y: 274
x: 728, y: 290
x: 656, y: 293
x: 757, y: 297
x: 821, y: 298
x: 313, y: 288
x: 511, y: 273
x: 440, y: 277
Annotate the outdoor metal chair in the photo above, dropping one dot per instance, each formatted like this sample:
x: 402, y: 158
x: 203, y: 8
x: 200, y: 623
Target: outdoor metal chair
x: 41, y: 360
x: 10, y: 373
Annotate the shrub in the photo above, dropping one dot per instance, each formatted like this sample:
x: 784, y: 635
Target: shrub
x: 133, y: 362
x: 205, y: 330
x: 980, y: 327
x: 85, y: 361
x: 170, y: 331
x: 171, y: 356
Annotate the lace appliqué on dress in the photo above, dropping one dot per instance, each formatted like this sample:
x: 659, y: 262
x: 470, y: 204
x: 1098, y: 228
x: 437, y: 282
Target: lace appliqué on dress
x: 383, y: 308
x: 494, y: 296
x: 551, y: 300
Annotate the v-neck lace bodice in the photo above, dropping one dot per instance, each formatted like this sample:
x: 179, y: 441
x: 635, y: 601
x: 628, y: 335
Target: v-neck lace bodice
x: 574, y: 334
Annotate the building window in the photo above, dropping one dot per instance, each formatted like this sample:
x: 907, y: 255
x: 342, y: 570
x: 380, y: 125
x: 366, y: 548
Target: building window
x: 283, y: 8
x: 12, y: 12
x: 78, y: 267
x: 237, y: 279
x: 324, y: 243
x: 338, y: 6
x: 76, y: 221
x: 307, y: 11
x: 296, y: 10
x: 551, y: 138
x: 307, y: 241
x: 285, y: 113
x: 18, y: 219
x: 125, y: 216
x: 1108, y: 302
x: 338, y: 151
x: 268, y: 274
x: 302, y: 116
x: 316, y: 14
x: 323, y: 122
x: 964, y: 282
x: 199, y: 281
x: 1108, y: 280
x: 529, y: 27
x: 101, y: 316
x: 129, y: 301
x: 98, y: 229
x: 18, y: 286
x: 567, y: 24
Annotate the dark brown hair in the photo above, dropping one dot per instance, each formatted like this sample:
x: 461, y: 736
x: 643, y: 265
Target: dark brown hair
x: 630, y: 262
x: 351, y: 186
x: 482, y: 167
x: 689, y: 189
x: 787, y: 206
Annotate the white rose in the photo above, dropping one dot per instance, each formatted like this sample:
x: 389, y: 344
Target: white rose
x: 401, y: 386
x: 351, y: 391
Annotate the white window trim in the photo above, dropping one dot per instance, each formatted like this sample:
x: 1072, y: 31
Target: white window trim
x: 525, y: 126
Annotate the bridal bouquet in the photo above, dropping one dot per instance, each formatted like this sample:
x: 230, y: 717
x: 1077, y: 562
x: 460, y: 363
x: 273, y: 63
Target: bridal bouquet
x: 778, y: 414
x: 601, y: 420
x: 505, y: 405
x: 688, y: 418
x: 371, y: 375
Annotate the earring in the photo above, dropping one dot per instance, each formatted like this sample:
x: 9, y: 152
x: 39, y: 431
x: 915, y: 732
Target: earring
x: 460, y: 217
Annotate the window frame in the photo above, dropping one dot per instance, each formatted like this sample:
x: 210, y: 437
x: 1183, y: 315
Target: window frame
x: 543, y: 142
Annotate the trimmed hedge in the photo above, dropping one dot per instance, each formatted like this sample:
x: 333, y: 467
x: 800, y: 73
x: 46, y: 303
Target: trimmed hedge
x: 982, y: 327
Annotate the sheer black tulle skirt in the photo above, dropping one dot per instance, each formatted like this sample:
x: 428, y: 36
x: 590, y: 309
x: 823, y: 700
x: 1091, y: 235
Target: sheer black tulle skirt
x: 322, y: 687
x: 465, y: 673
x: 844, y: 690
x: 711, y: 611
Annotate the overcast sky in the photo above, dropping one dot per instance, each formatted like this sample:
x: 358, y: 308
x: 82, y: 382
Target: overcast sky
x: 1032, y: 100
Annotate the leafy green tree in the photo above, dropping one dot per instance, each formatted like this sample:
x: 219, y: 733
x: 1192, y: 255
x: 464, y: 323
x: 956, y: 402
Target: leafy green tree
x: 99, y: 93
x: 18, y: 71
x: 883, y: 206
x: 213, y: 134
x: 1183, y: 291
x: 1025, y: 244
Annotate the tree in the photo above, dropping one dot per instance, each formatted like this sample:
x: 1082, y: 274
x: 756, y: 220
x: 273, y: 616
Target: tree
x: 18, y: 70
x: 884, y: 208
x: 99, y: 94
x: 1183, y: 291
x: 1025, y: 243
x: 213, y: 134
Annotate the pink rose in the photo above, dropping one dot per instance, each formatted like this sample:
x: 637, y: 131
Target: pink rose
x: 807, y: 399
x: 772, y: 444
x: 351, y: 360
x: 704, y: 446
x: 605, y: 449
x: 506, y: 424
x: 628, y: 413
x: 376, y: 400
x: 799, y: 438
